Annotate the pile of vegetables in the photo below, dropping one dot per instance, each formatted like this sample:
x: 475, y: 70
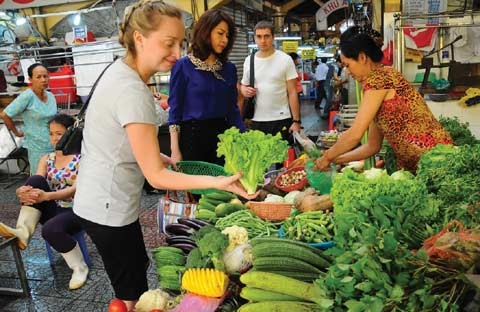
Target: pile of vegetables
x: 398, y: 202
x: 310, y: 227
x: 179, y: 234
x: 170, y: 263
x: 288, y: 258
x: 275, y: 292
x: 453, y: 175
x: 292, y: 178
x: 255, y: 226
x: 217, y: 204
x: 252, y: 153
x: 209, y: 253
x: 459, y: 131
x: 378, y: 219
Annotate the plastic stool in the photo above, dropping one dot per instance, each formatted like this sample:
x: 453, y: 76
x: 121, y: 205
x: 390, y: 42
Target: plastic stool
x: 80, y: 238
x: 331, y: 124
x: 312, y: 93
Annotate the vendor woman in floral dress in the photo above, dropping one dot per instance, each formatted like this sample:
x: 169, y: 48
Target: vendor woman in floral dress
x: 390, y: 108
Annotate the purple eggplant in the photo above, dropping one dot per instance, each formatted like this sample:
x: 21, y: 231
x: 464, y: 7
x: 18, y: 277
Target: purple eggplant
x: 189, y: 223
x: 180, y: 239
x: 185, y: 247
x: 178, y: 229
x: 200, y: 222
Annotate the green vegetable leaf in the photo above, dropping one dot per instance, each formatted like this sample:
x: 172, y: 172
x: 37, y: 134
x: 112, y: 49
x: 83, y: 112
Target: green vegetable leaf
x: 355, y: 306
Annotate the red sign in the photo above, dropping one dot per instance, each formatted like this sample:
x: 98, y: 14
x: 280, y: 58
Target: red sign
x: 22, y: 4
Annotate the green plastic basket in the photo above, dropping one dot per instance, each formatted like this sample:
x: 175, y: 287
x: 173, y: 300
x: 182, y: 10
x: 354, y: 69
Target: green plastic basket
x: 200, y: 168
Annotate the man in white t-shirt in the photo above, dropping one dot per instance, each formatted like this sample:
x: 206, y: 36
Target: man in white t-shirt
x: 277, y: 108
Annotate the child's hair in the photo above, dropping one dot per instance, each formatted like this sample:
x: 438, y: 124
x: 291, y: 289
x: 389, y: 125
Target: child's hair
x: 62, y: 119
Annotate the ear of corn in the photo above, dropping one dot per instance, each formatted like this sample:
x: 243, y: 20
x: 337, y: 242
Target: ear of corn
x: 205, y: 282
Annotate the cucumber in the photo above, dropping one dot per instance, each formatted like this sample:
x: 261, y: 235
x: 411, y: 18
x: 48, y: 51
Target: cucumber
x: 225, y: 209
x: 258, y: 295
x: 220, y: 195
x: 280, y: 306
x: 211, y: 201
x: 206, y: 215
x: 287, y: 286
x: 204, y: 204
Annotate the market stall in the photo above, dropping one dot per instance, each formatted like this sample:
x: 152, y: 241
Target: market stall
x: 350, y: 239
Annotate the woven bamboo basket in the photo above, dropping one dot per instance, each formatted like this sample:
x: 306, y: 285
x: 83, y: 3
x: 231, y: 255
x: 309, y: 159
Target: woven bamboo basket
x: 270, y: 211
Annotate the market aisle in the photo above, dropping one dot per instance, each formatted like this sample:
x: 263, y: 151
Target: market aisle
x: 50, y: 285
x: 311, y: 122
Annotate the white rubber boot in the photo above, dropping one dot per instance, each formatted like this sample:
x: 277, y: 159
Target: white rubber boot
x: 26, y: 224
x: 75, y: 261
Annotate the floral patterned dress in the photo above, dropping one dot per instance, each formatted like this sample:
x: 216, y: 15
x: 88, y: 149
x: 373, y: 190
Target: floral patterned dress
x: 405, y: 120
x: 59, y: 179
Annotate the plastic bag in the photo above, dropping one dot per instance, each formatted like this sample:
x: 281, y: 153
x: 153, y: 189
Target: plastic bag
x: 191, y: 302
x: 238, y: 259
x: 319, y: 180
x: 459, y: 250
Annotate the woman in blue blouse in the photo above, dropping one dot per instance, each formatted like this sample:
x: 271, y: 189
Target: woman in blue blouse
x: 203, y: 92
x: 36, y: 106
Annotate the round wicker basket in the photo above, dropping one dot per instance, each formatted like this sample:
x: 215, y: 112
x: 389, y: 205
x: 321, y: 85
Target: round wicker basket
x: 270, y: 211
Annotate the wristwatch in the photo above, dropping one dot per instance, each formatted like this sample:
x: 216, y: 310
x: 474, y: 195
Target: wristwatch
x: 297, y: 121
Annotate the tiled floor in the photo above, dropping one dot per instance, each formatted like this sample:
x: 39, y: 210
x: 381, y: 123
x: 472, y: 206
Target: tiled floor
x: 49, y: 285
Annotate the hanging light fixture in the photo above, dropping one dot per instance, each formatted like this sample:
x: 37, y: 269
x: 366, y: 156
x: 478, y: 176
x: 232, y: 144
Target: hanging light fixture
x: 20, y: 21
x: 77, y: 19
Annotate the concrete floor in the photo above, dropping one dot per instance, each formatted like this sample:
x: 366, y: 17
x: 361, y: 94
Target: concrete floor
x: 49, y: 284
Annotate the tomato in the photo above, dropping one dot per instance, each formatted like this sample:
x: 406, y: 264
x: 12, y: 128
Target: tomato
x: 117, y: 305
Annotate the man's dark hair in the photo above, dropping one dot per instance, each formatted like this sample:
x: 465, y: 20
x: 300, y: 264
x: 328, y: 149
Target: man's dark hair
x: 201, y: 45
x: 263, y: 25
x: 294, y: 56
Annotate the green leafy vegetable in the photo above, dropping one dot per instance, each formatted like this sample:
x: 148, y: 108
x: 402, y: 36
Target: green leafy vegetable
x: 460, y: 132
x: 211, y: 244
x: 252, y: 153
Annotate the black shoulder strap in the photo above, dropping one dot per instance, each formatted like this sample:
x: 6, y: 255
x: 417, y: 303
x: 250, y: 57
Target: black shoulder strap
x: 84, y: 107
x: 252, y: 69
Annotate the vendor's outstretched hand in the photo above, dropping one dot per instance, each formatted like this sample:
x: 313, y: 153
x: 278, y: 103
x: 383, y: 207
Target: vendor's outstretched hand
x: 232, y: 184
x: 322, y: 164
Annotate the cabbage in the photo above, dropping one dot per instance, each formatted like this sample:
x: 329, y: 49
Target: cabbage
x: 374, y: 173
x: 290, y: 197
x: 402, y: 175
x: 272, y: 198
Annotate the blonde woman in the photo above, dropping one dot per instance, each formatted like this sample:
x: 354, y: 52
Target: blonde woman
x: 120, y: 147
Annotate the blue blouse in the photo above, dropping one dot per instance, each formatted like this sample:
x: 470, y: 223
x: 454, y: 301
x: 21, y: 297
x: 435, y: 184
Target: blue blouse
x: 198, y: 95
x: 36, y: 115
